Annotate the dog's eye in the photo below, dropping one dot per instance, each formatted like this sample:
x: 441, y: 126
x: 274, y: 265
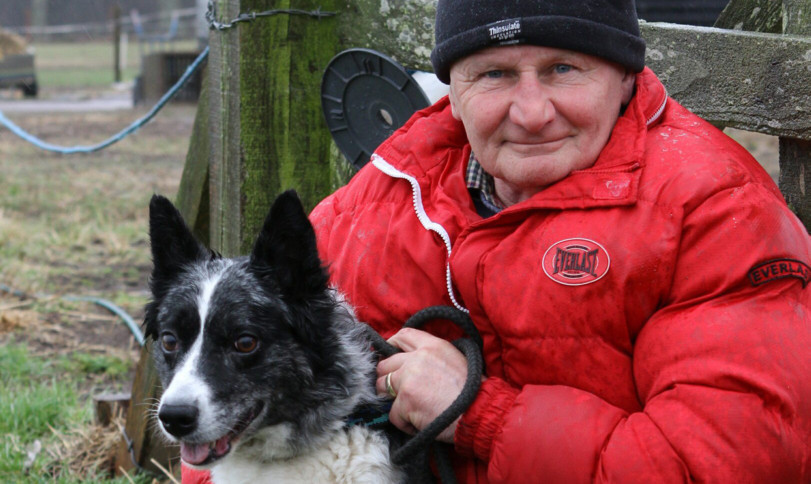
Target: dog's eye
x: 245, y: 343
x: 169, y: 342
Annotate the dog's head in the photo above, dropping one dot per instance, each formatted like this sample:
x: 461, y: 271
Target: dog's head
x: 242, y: 344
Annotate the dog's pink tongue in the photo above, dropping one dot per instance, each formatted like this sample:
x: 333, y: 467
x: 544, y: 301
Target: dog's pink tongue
x: 194, y: 454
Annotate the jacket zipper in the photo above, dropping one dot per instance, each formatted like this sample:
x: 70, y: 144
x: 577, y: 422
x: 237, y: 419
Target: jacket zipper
x: 658, y: 111
x: 426, y: 221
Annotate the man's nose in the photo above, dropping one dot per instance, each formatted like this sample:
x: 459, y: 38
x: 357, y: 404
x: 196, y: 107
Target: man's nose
x: 531, y: 107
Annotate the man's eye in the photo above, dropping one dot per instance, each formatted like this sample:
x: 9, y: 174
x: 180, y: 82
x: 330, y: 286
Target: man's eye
x: 494, y: 74
x: 169, y: 342
x: 563, y: 68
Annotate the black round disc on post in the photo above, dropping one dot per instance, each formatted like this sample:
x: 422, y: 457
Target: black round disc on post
x: 366, y: 97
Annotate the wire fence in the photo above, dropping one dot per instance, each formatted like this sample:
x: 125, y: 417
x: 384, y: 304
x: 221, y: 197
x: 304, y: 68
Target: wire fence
x: 154, y: 22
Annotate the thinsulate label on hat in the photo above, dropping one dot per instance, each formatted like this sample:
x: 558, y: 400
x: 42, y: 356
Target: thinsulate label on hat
x: 505, y: 31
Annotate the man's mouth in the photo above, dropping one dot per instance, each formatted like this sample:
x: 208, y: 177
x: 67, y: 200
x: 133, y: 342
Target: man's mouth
x: 533, y: 145
x: 203, y: 454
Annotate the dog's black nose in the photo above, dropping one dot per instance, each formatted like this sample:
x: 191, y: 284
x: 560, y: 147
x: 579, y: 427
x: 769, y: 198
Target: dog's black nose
x: 178, y: 420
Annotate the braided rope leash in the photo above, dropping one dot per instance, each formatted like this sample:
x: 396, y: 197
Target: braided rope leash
x: 471, y: 347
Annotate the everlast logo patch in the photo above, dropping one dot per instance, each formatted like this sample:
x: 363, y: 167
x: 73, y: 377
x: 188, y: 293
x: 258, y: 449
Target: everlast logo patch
x: 575, y: 262
x: 779, y: 269
x: 578, y: 260
x: 505, y: 31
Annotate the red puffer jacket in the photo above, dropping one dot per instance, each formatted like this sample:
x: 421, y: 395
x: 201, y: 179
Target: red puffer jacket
x: 644, y: 320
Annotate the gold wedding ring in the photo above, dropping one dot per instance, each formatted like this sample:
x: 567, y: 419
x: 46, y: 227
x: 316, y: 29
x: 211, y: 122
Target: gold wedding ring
x: 390, y: 389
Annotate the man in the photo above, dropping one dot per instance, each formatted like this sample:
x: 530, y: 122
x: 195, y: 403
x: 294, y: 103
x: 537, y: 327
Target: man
x: 638, y: 281
x: 620, y: 257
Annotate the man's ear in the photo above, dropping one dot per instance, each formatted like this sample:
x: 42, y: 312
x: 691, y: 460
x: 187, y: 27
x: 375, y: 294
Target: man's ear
x: 286, y: 248
x: 627, y: 86
x: 454, y: 102
x: 173, y: 245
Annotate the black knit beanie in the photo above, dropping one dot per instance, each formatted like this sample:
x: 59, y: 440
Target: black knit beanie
x: 604, y: 28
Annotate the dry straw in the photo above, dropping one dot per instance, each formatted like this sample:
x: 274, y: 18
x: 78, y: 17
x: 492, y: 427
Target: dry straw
x: 86, y: 451
x: 11, y: 44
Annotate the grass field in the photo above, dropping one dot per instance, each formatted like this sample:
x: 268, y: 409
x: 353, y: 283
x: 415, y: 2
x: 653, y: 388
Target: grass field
x: 46, y: 416
x: 87, y: 64
x: 74, y: 226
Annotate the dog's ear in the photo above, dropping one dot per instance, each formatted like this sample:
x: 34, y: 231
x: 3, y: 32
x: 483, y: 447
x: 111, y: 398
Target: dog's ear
x: 173, y: 245
x: 286, y: 247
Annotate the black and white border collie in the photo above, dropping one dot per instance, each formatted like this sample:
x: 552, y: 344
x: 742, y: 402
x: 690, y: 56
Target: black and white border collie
x: 261, y: 362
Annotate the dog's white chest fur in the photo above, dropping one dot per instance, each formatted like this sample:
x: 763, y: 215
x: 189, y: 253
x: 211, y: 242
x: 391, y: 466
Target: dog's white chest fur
x: 354, y: 455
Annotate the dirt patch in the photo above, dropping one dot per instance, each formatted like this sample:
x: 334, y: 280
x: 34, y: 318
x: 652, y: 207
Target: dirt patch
x: 61, y: 328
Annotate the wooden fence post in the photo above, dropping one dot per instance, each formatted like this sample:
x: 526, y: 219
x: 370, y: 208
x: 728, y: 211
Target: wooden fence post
x: 267, y: 132
x: 403, y: 30
x: 192, y: 195
x: 752, y: 16
x: 795, y: 154
x: 116, y: 14
x: 145, y: 442
x: 789, y: 17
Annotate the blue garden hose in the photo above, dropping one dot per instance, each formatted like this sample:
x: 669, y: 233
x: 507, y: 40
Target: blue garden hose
x: 136, y: 331
x: 126, y: 318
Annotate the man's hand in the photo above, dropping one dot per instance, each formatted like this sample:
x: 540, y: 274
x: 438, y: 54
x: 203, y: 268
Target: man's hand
x: 427, y: 377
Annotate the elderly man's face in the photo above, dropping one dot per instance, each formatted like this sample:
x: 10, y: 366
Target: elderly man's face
x: 534, y: 114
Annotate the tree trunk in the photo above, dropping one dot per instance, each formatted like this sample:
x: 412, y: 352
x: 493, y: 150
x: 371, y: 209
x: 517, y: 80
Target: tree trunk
x: 192, y: 195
